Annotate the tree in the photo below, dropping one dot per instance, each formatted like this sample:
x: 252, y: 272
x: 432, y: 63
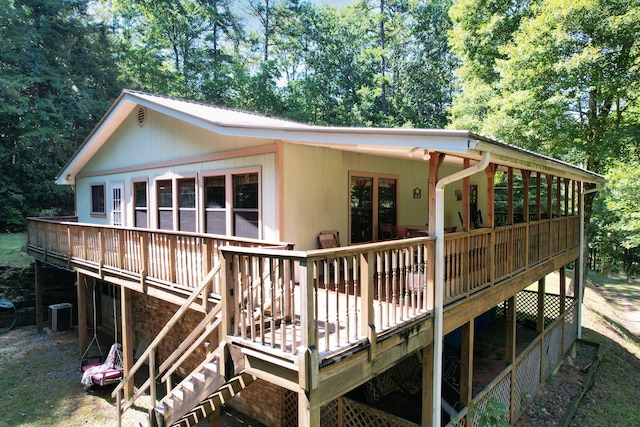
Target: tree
x: 425, y: 82
x: 616, y: 219
x: 560, y: 78
x: 57, y: 79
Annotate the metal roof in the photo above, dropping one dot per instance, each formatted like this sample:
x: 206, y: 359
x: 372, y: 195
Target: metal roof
x: 387, y: 142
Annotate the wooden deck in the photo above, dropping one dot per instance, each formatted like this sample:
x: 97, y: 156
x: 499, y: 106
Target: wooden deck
x: 332, y: 299
x: 325, y: 320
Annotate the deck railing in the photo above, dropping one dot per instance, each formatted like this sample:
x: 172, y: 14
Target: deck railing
x: 172, y: 259
x: 336, y: 299
x: 328, y: 299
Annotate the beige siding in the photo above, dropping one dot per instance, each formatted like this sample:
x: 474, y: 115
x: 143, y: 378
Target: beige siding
x: 316, y: 190
x: 452, y: 205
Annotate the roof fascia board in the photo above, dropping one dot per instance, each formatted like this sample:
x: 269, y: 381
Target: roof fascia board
x: 514, y: 156
x: 100, y: 133
x: 423, y: 138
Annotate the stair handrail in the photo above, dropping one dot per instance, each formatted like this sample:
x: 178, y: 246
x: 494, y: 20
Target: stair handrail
x: 151, y: 349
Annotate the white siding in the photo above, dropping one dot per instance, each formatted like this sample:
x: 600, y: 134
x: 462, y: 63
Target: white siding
x: 132, y: 154
x: 161, y: 139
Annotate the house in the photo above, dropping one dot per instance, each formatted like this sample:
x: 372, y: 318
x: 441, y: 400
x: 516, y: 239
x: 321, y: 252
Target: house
x: 200, y: 228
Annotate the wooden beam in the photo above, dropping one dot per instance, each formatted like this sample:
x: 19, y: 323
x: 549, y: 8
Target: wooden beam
x: 490, y: 172
x: 466, y: 199
x: 566, y: 196
x: 540, y: 316
x: 466, y: 365
x: 39, y: 294
x: 563, y: 289
x: 308, y: 415
x: 367, y: 319
x: 511, y: 349
x: 427, y: 385
x: 526, y: 175
x: 538, y: 196
x: 126, y: 321
x: 549, y: 196
x: 82, y: 311
x: 558, y: 197
x: 435, y: 161
x: 510, y: 196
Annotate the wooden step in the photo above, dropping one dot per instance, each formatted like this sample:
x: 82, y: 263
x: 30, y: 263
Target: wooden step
x: 214, y: 401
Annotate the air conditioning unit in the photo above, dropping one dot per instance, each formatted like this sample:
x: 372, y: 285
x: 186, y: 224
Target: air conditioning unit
x: 61, y: 317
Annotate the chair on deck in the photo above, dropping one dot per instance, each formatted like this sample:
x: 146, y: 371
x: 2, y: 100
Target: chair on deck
x: 386, y: 231
x: 399, y: 232
x: 329, y: 239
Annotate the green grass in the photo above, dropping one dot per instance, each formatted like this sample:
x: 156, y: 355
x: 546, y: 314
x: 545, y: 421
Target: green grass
x: 13, y: 250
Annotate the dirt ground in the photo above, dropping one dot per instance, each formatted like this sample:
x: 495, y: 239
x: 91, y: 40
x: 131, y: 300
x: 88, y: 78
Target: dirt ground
x: 610, y: 317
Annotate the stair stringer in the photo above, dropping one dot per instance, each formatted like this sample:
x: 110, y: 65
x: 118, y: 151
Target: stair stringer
x: 191, y: 391
x: 215, y: 400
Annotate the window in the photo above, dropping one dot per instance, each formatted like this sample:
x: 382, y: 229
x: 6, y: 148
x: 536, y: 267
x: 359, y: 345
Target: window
x: 165, y: 204
x: 245, y: 205
x: 373, y: 203
x: 117, y: 190
x: 97, y: 199
x: 187, y: 205
x: 140, y: 205
x: 215, y: 203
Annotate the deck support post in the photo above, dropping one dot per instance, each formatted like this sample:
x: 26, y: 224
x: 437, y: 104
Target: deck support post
x: 213, y: 420
x: 81, y: 291
x: 39, y: 293
x: 427, y: 385
x: 307, y: 414
x: 127, y: 337
x: 541, y: 303
x: 563, y: 289
x: 466, y: 366
x: 511, y: 350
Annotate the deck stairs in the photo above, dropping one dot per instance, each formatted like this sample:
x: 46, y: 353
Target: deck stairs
x: 206, y: 388
x: 204, y: 406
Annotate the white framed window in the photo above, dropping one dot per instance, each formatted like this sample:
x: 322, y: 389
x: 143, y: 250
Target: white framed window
x: 98, y: 207
x: 141, y: 204
x: 187, y: 220
x: 164, y: 198
x: 117, y: 197
x: 231, y: 203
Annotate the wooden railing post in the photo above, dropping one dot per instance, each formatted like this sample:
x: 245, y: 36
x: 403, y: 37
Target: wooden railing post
x: 309, y: 328
x: 172, y: 258
x: 227, y: 295
x: 367, y: 325
x: 152, y: 378
x: 144, y: 259
x: 121, y: 245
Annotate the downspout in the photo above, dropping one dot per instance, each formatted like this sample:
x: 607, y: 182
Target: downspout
x: 439, y: 281
x: 581, y: 257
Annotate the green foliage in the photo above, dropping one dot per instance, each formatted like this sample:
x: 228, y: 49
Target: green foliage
x: 616, y: 219
x: 556, y: 77
x: 13, y: 250
x: 494, y: 414
x: 57, y: 76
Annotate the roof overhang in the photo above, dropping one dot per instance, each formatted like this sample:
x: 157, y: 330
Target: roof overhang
x: 387, y: 142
